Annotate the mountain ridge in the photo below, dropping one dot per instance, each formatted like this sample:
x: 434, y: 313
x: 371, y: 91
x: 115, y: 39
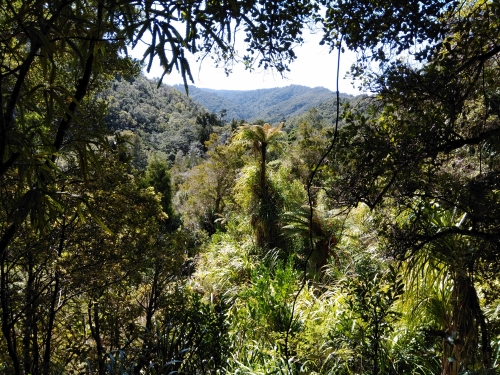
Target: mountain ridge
x: 269, y: 104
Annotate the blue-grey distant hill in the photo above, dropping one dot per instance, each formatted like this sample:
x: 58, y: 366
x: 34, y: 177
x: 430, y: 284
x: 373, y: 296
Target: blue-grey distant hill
x: 271, y: 105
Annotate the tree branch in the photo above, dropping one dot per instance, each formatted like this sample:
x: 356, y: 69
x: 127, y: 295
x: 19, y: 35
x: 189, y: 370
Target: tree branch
x: 453, y: 145
x: 481, y: 58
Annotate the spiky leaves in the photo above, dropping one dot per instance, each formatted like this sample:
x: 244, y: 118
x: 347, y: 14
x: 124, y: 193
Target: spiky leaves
x: 265, y: 209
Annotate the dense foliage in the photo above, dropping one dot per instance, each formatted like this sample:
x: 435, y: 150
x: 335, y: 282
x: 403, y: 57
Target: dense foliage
x: 141, y: 234
x: 157, y: 120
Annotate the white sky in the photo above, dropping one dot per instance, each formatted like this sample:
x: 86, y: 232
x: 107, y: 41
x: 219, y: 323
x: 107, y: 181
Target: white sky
x: 314, y: 66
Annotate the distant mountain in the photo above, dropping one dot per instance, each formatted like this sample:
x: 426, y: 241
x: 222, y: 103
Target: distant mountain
x: 271, y: 105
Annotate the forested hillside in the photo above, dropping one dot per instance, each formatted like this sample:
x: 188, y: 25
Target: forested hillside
x: 160, y: 121
x: 272, y: 105
x: 142, y: 234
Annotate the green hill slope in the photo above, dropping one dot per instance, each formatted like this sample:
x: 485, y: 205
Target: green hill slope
x: 271, y: 105
x: 164, y: 118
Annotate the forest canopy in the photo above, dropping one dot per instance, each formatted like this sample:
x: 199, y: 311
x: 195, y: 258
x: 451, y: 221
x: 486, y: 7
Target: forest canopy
x: 366, y: 244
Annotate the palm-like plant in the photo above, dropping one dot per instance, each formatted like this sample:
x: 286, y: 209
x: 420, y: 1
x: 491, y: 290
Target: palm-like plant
x: 323, y: 236
x: 463, y: 328
x: 264, y: 211
x: 260, y: 137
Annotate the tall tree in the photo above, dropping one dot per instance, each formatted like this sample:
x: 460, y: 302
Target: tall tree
x: 205, y: 196
x: 260, y: 137
x: 158, y: 176
x: 265, y: 210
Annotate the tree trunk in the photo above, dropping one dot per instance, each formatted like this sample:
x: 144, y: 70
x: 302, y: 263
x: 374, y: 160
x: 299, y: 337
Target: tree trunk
x: 96, y: 335
x: 460, y: 347
x: 263, y: 182
x: 29, y: 343
x: 6, y: 315
x: 50, y: 327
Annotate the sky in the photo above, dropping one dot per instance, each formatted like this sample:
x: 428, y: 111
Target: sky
x: 314, y: 67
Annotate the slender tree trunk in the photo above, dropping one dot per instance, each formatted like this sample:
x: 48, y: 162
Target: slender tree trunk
x: 153, y: 298
x: 376, y: 344
x: 485, y: 339
x: 95, y: 329
x: 50, y: 327
x: 150, y: 311
x: 30, y: 357
x: 6, y: 316
x: 53, y: 305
